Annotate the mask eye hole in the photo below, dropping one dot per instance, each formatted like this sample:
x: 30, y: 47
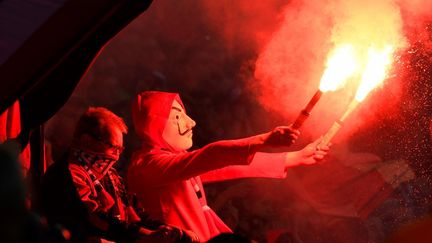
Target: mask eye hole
x: 177, y: 117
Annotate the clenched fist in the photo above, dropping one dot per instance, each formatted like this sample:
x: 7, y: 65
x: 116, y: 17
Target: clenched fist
x: 280, y: 136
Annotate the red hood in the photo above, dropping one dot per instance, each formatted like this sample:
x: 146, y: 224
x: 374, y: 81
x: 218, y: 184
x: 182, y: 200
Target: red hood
x: 150, y: 112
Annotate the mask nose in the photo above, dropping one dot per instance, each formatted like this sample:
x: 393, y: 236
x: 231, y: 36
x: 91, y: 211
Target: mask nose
x: 190, y: 122
x: 184, y: 124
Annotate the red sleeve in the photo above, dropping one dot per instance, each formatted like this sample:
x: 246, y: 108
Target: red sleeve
x: 83, y: 186
x: 263, y: 165
x: 159, y: 168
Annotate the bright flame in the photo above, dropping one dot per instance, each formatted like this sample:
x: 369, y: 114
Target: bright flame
x: 375, y: 70
x: 341, y: 65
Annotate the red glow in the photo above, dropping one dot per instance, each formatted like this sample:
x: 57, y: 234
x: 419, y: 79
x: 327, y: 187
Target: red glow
x: 291, y: 64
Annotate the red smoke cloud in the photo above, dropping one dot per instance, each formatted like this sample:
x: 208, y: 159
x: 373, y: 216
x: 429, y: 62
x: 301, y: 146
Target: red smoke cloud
x: 292, y: 40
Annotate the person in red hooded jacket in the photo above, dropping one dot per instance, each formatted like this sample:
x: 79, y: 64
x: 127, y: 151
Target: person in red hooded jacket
x: 168, y: 179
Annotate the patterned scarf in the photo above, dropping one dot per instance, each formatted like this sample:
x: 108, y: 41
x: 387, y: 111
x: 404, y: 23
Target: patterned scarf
x: 98, y: 162
x: 111, y: 183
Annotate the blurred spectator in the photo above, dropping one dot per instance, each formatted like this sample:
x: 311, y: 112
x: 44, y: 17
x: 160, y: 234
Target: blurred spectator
x: 17, y: 224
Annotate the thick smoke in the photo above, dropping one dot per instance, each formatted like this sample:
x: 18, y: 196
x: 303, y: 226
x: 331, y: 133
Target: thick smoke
x: 289, y: 68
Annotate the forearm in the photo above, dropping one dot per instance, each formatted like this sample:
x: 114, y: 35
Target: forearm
x: 292, y: 159
x: 264, y: 165
x: 164, y: 167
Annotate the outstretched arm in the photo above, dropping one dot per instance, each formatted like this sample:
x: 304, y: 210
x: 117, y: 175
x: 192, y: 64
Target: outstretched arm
x: 160, y: 167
